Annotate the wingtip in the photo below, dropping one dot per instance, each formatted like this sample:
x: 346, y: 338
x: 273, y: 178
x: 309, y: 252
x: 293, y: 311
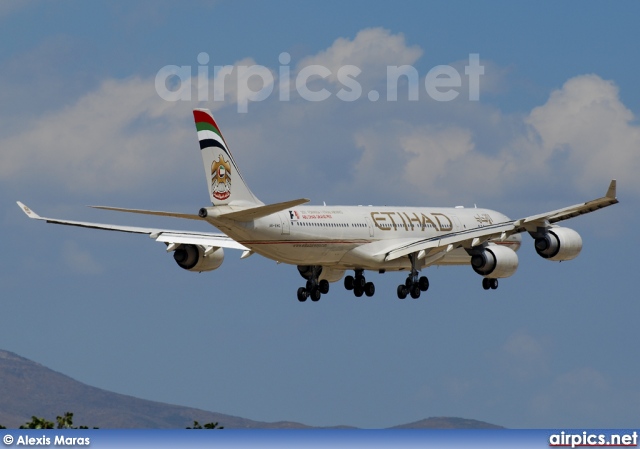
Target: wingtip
x: 611, y: 191
x: 26, y: 210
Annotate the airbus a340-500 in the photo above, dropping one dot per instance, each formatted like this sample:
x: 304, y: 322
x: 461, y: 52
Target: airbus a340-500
x: 324, y: 242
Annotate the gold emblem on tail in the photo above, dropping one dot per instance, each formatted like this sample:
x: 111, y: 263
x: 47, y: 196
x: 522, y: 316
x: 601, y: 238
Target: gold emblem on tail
x: 221, y: 179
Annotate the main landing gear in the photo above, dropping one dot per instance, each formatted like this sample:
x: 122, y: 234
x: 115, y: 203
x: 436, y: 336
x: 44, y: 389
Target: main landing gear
x: 489, y: 283
x: 314, y: 288
x: 414, y: 284
x: 359, y: 284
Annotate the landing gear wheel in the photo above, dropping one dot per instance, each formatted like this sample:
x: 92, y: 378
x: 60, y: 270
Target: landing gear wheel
x: 402, y: 291
x: 360, y: 281
x: 369, y: 289
x: 408, y: 283
x: 486, y: 283
x: 324, y: 286
x: 415, y: 291
x: 494, y: 284
x: 302, y: 294
x: 423, y: 282
x: 349, y: 282
x: 358, y: 291
x: 315, y: 294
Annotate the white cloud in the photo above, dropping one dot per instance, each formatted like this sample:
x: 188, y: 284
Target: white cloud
x: 583, y: 135
x: 424, y: 158
x: 79, y: 260
x: 431, y: 148
x: 107, y: 141
x: 120, y: 136
x: 524, y: 357
x: 371, y: 50
x: 370, y: 46
x: 123, y: 135
x: 587, y: 127
x: 242, y: 83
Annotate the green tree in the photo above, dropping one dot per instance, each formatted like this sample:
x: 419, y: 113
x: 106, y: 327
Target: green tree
x: 210, y: 425
x: 64, y: 422
x: 37, y: 423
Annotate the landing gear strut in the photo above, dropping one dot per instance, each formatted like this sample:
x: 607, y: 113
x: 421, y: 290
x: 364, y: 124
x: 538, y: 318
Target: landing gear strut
x: 414, y: 284
x: 359, y: 284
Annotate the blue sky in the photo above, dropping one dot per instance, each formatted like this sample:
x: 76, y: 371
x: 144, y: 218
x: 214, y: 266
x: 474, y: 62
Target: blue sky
x: 82, y: 123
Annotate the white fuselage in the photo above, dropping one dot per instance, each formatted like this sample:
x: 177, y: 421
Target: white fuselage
x: 331, y: 236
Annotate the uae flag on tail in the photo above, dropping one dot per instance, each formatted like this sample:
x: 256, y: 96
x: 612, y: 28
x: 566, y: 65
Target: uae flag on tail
x: 209, y: 134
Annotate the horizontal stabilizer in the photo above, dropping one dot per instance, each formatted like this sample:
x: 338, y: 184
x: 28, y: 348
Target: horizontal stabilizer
x: 151, y: 212
x: 262, y: 211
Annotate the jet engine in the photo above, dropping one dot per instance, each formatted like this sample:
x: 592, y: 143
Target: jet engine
x: 558, y: 244
x: 495, y: 262
x: 193, y: 258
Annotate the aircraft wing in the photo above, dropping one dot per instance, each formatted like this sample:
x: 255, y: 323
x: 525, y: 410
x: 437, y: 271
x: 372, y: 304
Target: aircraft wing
x: 436, y: 247
x: 565, y: 213
x: 432, y: 249
x: 167, y: 236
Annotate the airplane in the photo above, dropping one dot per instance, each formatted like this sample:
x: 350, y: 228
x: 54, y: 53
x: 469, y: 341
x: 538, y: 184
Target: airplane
x: 325, y: 242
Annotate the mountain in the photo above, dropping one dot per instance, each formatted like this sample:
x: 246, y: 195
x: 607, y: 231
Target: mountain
x: 448, y: 423
x: 29, y: 389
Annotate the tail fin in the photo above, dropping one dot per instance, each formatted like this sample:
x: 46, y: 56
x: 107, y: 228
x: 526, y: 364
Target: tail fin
x: 226, y: 185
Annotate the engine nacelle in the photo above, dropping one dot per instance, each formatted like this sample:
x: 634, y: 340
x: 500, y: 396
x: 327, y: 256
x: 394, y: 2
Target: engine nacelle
x: 193, y: 258
x: 331, y: 274
x: 559, y: 244
x: 495, y: 262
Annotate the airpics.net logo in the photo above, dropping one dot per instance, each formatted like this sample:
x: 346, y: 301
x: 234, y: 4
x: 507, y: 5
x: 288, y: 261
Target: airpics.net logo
x: 254, y: 83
